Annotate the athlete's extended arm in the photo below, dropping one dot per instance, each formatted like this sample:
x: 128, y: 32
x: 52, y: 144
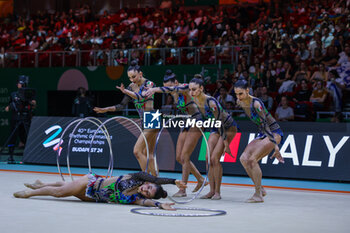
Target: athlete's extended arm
x: 180, y: 89
x: 266, y: 129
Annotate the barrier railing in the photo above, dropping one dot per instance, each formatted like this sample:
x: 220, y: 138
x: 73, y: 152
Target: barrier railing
x: 147, y: 56
x: 346, y: 115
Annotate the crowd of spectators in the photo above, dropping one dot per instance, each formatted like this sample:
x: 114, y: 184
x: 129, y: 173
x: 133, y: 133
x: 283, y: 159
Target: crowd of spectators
x: 300, y: 49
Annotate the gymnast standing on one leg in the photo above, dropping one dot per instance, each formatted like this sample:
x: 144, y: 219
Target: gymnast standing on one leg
x: 136, y: 188
x: 188, y: 138
x: 269, y: 137
x: 135, y: 90
x: 219, y: 139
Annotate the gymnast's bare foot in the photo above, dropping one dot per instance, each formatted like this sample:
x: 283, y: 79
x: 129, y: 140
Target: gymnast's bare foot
x: 216, y: 196
x: 256, y: 198
x: 207, y: 196
x: 199, y: 185
x: 180, y: 193
x: 21, y: 194
x: 36, y: 185
x: 263, y: 192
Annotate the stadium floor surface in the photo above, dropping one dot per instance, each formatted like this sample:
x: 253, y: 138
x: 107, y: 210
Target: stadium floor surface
x: 290, y: 206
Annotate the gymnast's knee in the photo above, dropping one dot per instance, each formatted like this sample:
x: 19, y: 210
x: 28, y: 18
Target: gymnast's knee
x: 59, y: 192
x: 138, y: 153
x: 179, y: 159
x: 214, y: 161
x: 247, y: 161
x: 244, y: 159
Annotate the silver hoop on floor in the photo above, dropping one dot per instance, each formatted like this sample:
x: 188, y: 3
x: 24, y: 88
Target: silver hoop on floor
x: 111, y: 161
x: 212, y: 212
x: 207, y: 165
x: 58, y: 149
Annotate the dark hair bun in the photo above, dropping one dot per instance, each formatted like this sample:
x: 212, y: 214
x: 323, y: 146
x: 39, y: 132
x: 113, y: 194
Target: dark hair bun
x: 134, y: 66
x: 199, y: 76
x: 197, y: 81
x: 134, y: 63
x: 160, y: 193
x: 168, y: 72
x: 241, y: 83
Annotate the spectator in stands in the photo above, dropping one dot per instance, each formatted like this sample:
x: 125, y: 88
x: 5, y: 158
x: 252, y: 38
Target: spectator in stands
x: 317, y: 59
x: 223, y: 98
x: 238, y: 73
x: 193, y: 32
x: 284, y: 73
x: 284, y: 112
x: 288, y: 84
x: 303, y: 93
x: 269, y: 80
x: 255, y: 74
x: 302, y: 73
x: 226, y: 78
x: 318, y: 96
x: 121, y: 58
x: 303, y: 51
x: 266, y: 99
x: 148, y: 24
x: 301, y: 99
x: 344, y: 57
x: 320, y: 74
x: 331, y: 58
x: 335, y: 87
x: 327, y: 37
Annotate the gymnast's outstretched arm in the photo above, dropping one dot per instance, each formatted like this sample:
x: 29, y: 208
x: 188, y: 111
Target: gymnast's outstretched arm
x: 266, y: 129
x: 152, y: 203
x: 182, y: 88
x: 143, y: 176
x: 264, y: 126
x: 218, y: 112
x: 128, y: 92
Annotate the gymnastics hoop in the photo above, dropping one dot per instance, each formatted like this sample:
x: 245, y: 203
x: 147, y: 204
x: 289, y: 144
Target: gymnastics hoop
x: 208, y: 163
x: 105, y: 132
x: 58, y: 149
x: 212, y: 212
x: 111, y: 159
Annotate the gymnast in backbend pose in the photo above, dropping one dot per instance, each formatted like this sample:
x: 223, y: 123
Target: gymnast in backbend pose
x: 270, y: 135
x: 142, y: 103
x: 219, y: 139
x: 188, y: 138
x: 136, y: 188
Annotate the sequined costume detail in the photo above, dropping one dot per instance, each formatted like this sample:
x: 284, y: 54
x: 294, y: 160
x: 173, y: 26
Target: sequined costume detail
x: 116, y: 191
x: 218, y: 113
x: 185, y: 103
x: 141, y: 100
x: 267, y: 125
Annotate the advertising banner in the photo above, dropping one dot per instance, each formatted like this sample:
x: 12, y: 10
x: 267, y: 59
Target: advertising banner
x: 317, y: 151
